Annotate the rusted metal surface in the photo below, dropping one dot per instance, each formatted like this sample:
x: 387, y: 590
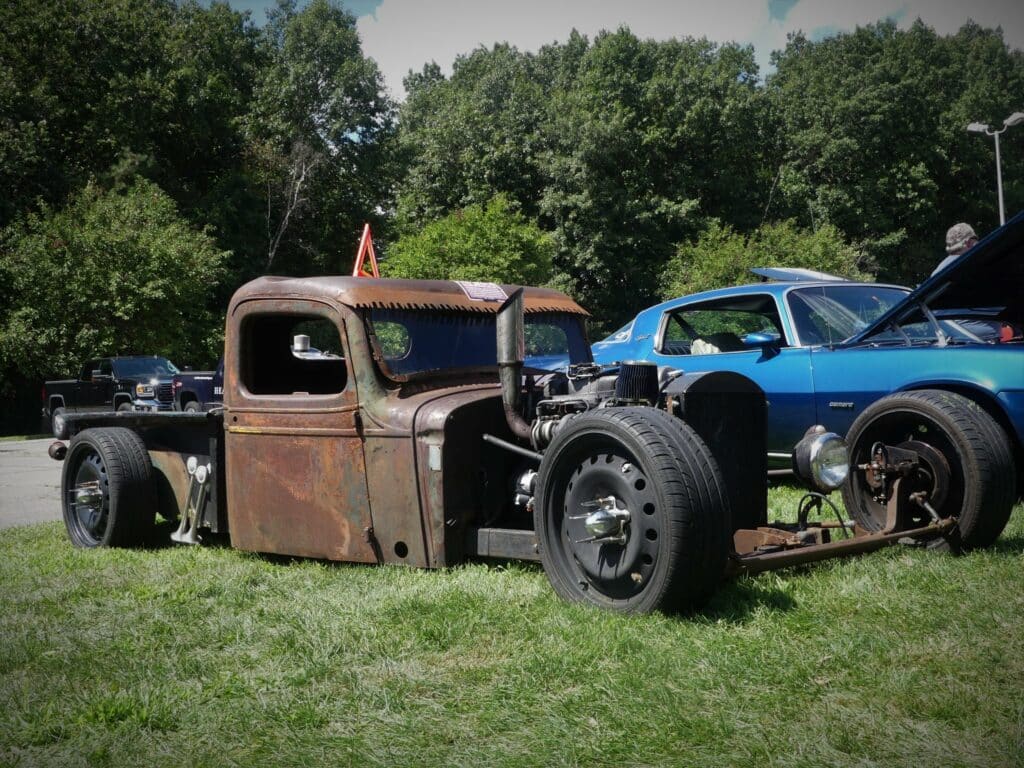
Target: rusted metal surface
x: 369, y: 293
x: 760, y: 562
x: 296, y: 479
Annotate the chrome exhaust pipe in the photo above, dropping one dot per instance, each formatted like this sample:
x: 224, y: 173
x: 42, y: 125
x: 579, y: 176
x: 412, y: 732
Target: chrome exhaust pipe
x: 511, y: 351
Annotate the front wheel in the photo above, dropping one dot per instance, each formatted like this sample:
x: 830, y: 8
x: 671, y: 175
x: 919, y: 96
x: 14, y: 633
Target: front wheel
x: 192, y: 406
x: 109, y: 497
x: 965, y: 463
x: 631, y: 512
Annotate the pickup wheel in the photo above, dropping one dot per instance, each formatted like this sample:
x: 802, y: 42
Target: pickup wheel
x: 192, y: 406
x: 966, y: 465
x: 58, y: 424
x: 125, y: 406
x: 631, y: 512
x: 109, y: 498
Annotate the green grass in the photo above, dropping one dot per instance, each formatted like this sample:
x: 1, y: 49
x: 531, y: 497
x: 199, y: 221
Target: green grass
x: 209, y: 656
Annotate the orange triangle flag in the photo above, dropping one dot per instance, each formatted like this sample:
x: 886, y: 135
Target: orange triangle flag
x: 366, y: 249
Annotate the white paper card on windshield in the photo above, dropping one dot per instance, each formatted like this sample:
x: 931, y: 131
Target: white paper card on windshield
x: 482, y: 291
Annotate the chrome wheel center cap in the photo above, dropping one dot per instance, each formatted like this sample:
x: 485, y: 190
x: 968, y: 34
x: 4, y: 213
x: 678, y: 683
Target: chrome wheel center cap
x: 607, y: 519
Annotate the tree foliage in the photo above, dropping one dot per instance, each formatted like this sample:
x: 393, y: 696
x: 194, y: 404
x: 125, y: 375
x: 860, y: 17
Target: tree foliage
x: 721, y: 256
x: 320, y: 127
x: 115, y: 272
x: 875, y: 141
x: 490, y: 242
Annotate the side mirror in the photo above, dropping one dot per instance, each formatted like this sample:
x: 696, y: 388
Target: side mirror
x: 761, y: 340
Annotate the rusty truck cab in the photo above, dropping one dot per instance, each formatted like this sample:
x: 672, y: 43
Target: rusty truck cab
x: 331, y: 453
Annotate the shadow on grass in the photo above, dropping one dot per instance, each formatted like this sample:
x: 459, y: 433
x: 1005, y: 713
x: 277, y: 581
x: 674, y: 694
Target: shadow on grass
x: 1009, y: 545
x: 738, y: 600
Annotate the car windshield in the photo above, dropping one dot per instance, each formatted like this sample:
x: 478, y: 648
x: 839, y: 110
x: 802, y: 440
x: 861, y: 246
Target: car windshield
x: 412, y: 342
x: 145, y: 367
x: 830, y: 314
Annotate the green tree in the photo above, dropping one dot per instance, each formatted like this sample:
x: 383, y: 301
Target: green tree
x: 320, y: 133
x: 649, y: 139
x: 874, y: 141
x: 473, y: 136
x: 721, y: 256
x: 491, y: 242
x: 115, y: 272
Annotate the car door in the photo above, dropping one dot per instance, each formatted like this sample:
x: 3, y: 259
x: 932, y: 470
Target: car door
x: 781, y: 370
x: 296, y: 478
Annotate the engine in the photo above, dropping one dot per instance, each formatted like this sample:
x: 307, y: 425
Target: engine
x: 586, y: 386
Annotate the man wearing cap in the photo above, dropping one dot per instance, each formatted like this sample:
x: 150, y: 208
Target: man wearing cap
x: 960, y: 238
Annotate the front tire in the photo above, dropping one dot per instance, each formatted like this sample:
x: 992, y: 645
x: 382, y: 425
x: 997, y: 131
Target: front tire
x: 952, y: 435
x: 192, y: 406
x: 655, y: 474
x: 109, y: 497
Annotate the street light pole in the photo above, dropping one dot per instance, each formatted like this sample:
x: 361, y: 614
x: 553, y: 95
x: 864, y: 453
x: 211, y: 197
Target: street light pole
x: 1014, y: 119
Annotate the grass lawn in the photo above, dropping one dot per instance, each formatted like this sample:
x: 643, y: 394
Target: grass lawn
x: 208, y: 656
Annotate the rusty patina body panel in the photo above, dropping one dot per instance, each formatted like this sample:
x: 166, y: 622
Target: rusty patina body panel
x: 349, y: 476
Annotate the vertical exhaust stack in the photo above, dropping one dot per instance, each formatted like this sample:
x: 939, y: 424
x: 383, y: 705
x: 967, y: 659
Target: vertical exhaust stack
x: 511, y: 351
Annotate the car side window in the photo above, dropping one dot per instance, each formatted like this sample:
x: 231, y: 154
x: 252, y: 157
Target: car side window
x: 87, y: 369
x: 719, y: 327
x: 106, y: 368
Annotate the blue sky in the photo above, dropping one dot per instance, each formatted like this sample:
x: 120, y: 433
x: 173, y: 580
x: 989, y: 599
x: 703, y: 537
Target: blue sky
x: 405, y: 34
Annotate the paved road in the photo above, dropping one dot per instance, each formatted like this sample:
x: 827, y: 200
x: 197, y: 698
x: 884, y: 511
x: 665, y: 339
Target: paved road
x: 29, y: 483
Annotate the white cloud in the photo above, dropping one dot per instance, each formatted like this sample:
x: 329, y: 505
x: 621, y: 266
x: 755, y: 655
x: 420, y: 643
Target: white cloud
x: 406, y: 34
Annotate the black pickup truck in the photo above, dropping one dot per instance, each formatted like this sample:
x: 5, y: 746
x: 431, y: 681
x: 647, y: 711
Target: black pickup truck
x: 128, y: 383
x: 199, y: 390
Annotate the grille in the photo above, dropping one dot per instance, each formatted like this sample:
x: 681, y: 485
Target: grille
x: 164, y: 393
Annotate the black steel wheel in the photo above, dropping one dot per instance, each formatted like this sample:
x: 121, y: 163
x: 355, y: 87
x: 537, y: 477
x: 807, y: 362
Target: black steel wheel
x: 58, y: 424
x: 108, y: 492
x: 966, y: 466
x: 631, y: 513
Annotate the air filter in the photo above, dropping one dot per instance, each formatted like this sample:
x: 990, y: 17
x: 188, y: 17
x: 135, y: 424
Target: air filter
x: 637, y: 382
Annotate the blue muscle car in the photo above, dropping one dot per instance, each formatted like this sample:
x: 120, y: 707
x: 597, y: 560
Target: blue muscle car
x: 823, y: 350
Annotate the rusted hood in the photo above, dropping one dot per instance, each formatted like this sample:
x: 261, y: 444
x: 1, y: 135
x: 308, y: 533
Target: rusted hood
x: 369, y: 293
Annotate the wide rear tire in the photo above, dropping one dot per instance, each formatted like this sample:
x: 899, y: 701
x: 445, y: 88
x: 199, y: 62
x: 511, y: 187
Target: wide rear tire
x: 671, y: 552
x: 971, y: 444
x: 113, y: 462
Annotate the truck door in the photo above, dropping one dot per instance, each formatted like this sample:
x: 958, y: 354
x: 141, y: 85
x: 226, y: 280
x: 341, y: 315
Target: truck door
x: 90, y: 396
x: 296, y: 479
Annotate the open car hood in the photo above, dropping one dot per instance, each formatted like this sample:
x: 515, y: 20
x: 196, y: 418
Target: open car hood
x: 986, y: 281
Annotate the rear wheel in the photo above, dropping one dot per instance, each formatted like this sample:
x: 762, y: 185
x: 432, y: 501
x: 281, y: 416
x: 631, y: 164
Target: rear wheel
x: 109, y: 498
x: 631, y: 512
x: 965, y: 463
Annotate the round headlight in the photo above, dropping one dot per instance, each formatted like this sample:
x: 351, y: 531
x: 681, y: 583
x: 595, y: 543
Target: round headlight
x: 821, y: 459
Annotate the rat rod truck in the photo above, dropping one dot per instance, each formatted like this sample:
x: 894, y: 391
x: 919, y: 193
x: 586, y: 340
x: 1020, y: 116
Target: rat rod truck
x: 445, y: 421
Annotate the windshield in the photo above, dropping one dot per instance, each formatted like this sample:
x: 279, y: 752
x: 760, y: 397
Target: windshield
x: 145, y: 367
x: 414, y: 342
x: 830, y: 314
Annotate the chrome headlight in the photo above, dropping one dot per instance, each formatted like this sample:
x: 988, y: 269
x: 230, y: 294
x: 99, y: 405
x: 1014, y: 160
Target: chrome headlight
x: 144, y: 390
x: 821, y: 459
